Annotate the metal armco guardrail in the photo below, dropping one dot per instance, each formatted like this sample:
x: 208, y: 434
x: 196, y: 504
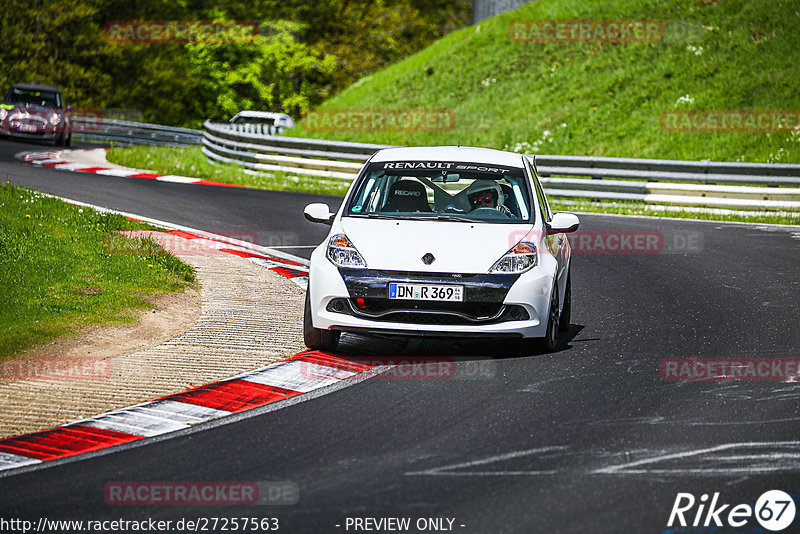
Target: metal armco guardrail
x: 694, y: 183
x: 318, y: 157
x: 770, y: 174
x: 132, y: 133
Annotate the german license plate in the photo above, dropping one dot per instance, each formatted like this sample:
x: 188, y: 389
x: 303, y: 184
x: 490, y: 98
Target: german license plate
x: 447, y: 293
x: 27, y: 128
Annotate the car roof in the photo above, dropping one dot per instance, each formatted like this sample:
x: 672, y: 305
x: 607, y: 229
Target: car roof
x: 34, y: 87
x: 450, y: 153
x: 264, y: 114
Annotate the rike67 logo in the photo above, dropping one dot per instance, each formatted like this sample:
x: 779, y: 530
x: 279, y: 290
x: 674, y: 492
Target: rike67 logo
x: 774, y: 511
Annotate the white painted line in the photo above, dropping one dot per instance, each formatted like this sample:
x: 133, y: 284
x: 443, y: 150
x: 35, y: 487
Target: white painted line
x: 181, y: 412
x: 297, y: 375
x: 71, y: 166
x: 48, y: 160
x: 447, y: 470
x: 689, y: 219
x: 114, y: 172
x: 301, y: 281
x: 769, y: 456
x: 26, y: 155
x: 688, y: 209
x: 177, y: 179
x: 134, y: 421
x: 624, y: 469
x: 270, y: 263
x: 8, y: 460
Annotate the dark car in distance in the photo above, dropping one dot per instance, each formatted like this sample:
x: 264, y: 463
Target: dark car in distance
x: 35, y: 112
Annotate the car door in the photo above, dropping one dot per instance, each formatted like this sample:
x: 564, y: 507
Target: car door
x: 557, y: 244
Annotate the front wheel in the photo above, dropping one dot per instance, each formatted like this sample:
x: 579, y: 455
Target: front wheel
x: 317, y: 338
x: 566, y: 312
x: 550, y: 340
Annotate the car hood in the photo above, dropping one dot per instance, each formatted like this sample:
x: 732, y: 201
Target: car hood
x: 31, y: 111
x: 458, y: 247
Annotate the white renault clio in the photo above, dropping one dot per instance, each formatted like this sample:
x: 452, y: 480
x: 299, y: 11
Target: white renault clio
x: 441, y: 241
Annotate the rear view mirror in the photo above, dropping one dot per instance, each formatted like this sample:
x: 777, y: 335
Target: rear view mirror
x: 563, y: 223
x: 446, y: 178
x: 318, y: 213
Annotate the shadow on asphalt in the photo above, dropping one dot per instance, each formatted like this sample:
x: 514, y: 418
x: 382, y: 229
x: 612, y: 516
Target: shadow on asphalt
x: 393, y: 348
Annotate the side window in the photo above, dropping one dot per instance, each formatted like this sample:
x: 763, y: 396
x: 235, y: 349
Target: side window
x: 546, y: 202
x: 544, y: 207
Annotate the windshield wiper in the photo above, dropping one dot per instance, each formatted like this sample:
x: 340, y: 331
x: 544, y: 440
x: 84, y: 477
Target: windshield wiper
x: 414, y: 217
x: 455, y: 218
x: 370, y: 215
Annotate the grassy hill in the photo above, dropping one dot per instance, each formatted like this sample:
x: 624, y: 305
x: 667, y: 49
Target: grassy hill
x: 601, y: 99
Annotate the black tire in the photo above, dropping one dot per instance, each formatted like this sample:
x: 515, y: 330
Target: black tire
x: 566, y: 311
x: 550, y: 341
x: 316, y: 338
x: 68, y: 142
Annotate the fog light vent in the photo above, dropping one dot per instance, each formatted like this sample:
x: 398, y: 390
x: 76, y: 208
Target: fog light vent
x: 336, y: 305
x: 517, y: 313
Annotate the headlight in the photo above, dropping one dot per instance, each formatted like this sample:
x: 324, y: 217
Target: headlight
x: 342, y: 253
x: 517, y: 260
x: 3, y: 114
x: 54, y: 118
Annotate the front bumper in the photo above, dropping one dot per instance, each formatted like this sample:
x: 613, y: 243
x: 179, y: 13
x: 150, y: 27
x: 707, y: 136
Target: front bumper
x: 356, y: 300
x: 42, y: 135
x: 44, y: 130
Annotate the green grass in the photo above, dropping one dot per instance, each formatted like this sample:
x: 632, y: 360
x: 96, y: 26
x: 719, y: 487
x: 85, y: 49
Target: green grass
x: 56, y: 275
x: 190, y: 161
x: 598, y: 99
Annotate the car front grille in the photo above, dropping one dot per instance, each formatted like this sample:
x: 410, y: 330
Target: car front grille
x: 28, y: 121
x: 473, y: 310
x: 38, y: 124
x: 421, y: 275
x: 428, y: 312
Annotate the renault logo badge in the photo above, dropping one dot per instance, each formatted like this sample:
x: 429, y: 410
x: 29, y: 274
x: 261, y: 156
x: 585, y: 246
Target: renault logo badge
x: 428, y: 258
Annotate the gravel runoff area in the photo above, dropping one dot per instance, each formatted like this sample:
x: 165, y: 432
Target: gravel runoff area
x: 249, y: 317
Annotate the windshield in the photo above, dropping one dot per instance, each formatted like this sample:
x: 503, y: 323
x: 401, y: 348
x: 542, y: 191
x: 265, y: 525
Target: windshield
x: 254, y: 120
x: 30, y: 97
x: 458, y: 191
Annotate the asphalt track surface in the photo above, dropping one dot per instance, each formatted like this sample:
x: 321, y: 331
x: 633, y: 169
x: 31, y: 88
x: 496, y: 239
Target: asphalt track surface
x: 588, y: 439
